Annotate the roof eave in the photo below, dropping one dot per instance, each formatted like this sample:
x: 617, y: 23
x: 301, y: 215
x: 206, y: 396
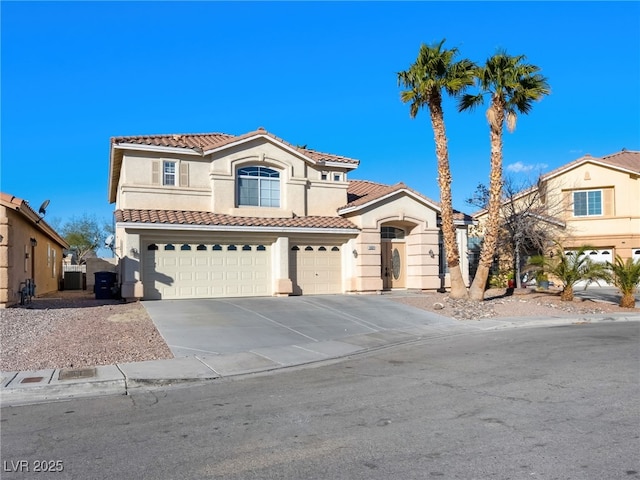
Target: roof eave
x: 345, y: 210
x: 236, y: 228
x: 283, y: 145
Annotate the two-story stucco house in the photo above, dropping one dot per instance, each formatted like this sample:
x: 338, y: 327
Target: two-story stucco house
x: 596, y: 200
x: 601, y: 198
x: 214, y: 215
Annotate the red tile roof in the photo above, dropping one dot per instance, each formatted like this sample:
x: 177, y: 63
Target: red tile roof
x: 624, y: 159
x: 205, y: 142
x: 361, y: 192
x: 22, y: 207
x: 181, y: 217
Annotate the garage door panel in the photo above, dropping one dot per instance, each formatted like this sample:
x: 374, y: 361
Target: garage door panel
x: 202, y: 271
x: 316, y: 269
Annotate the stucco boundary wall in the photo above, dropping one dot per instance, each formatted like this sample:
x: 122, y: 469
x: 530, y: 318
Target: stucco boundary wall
x: 99, y: 265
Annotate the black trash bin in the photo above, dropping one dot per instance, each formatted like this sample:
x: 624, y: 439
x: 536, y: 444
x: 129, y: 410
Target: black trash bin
x: 105, y: 281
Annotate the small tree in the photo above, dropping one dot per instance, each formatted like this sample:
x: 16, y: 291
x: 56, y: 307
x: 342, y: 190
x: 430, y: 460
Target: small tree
x: 570, y: 268
x: 626, y: 276
x: 528, y: 224
x: 84, y: 234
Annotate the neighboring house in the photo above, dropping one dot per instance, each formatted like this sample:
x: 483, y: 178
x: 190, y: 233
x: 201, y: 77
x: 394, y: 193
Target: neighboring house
x: 214, y: 215
x: 598, y: 202
x: 30, y: 251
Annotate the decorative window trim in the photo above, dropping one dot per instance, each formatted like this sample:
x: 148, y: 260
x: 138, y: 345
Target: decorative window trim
x: 262, y: 189
x: 592, y: 207
x: 179, y: 176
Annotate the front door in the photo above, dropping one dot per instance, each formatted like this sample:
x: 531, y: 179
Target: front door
x: 393, y: 265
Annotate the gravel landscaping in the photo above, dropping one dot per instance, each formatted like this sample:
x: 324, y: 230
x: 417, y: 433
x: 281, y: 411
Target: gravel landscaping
x: 72, y: 329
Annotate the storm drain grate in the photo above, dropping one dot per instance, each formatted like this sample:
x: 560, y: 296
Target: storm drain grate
x: 31, y: 379
x: 72, y: 373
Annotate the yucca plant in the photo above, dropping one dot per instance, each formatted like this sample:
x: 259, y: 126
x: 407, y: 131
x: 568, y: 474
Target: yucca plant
x: 570, y: 268
x: 626, y: 276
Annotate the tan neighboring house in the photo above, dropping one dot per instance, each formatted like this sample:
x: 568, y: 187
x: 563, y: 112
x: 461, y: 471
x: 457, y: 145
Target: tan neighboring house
x: 30, y: 251
x: 216, y: 215
x: 597, y: 199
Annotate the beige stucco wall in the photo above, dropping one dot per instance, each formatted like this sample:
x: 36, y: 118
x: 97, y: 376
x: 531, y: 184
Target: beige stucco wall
x: 212, y: 186
x: 99, y: 265
x: 619, y: 226
x: 419, y: 222
x: 19, y: 261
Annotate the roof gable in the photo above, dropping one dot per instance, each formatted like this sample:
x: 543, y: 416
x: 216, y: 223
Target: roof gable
x: 363, y: 193
x: 202, y: 144
x: 625, y: 160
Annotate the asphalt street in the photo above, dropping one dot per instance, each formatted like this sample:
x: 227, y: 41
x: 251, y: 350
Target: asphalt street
x: 555, y: 403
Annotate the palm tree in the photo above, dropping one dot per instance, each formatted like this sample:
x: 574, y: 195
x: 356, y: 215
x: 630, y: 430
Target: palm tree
x: 434, y: 71
x: 513, y: 87
x: 570, y: 268
x: 626, y: 276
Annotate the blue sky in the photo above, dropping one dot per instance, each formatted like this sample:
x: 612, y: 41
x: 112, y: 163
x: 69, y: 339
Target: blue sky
x: 323, y: 74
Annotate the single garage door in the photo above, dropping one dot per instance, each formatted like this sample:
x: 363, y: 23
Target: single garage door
x: 189, y: 270
x: 315, y: 269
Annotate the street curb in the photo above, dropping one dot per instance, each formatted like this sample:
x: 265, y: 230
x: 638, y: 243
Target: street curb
x: 50, y: 385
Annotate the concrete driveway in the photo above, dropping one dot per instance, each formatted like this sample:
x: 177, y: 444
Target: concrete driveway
x: 231, y: 325
x: 602, y: 294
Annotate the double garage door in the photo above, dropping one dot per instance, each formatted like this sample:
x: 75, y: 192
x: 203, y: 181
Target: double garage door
x: 210, y: 270
x: 206, y: 270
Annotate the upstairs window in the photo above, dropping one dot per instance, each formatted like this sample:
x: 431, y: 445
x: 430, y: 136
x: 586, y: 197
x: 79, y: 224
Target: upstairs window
x: 259, y: 187
x: 168, y: 173
x: 587, y: 203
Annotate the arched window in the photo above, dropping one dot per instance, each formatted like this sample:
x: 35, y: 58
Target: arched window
x: 258, y: 186
x: 246, y: 248
x: 261, y: 248
x: 153, y: 246
x: 335, y: 249
x: 216, y: 247
x: 169, y: 246
x: 185, y: 247
x: 232, y: 248
x: 308, y: 249
x: 201, y: 247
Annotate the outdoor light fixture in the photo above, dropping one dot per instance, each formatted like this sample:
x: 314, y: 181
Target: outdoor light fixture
x: 355, y: 253
x: 431, y: 254
x: 134, y: 252
x: 34, y: 242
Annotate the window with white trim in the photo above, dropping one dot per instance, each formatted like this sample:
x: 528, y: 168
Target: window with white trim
x: 587, y: 203
x: 258, y: 186
x: 168, y: 173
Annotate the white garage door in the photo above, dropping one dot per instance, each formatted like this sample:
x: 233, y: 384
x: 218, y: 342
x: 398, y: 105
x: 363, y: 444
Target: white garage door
x: 189, y: 270
x: 315, y: 269
x: 599, y: 256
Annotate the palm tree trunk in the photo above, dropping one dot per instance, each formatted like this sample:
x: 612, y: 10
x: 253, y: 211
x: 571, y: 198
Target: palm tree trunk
x: 567, y: 294
x: 492, y: 226
x: 458, y: 287
x: 628, y: 300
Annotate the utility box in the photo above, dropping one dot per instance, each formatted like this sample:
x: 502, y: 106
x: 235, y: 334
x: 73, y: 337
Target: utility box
x: 104, y: 286
x: 73, y: 280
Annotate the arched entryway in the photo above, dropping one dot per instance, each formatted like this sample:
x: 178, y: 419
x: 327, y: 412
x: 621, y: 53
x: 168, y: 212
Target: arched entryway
x: 393, y: 257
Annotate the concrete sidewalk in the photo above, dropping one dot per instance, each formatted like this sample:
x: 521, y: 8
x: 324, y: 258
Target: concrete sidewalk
x: 19, y: 388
